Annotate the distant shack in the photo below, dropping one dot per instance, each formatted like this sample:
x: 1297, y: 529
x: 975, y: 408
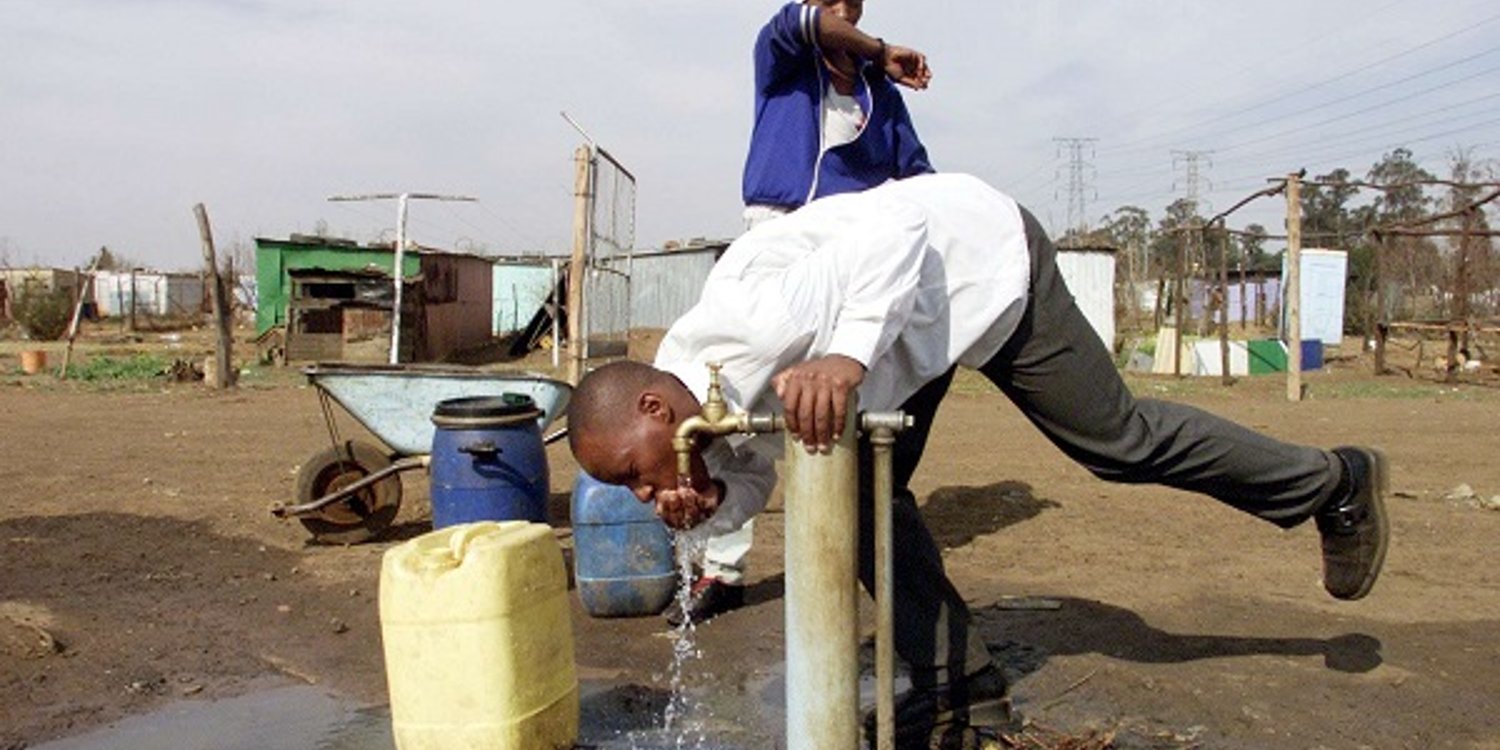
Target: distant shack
x: 329, y: 300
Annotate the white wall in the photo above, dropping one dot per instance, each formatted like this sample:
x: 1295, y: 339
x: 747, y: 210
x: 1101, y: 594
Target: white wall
x: 1090, y: 276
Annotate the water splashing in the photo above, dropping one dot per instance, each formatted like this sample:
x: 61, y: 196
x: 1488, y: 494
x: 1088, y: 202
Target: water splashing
x: 680, y: 715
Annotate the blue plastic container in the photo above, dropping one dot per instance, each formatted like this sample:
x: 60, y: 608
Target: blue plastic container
x: 488, y: 461
x: 622, y: 553
x: 1312, y: 354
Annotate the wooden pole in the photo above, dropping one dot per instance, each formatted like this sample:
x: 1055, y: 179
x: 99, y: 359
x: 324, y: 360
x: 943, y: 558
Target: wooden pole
x: 556, y: 314
x: 1129, y: 296
x: 1461, y: 292
x: 83, y: 293
x: 1381, y: 241
x: 578, y: 264
x: 1227, y: 378
x: 132, y: 300
x: 1142, y: 273
x: 1161, y: 298
x: 1293, y: 287
x: 224, y: 343
x: 1244, y: 289
x: 1179, y: 297
x: 1382, y: 331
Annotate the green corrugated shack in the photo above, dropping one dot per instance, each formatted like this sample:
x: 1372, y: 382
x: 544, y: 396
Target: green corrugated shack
x: 325, y: 299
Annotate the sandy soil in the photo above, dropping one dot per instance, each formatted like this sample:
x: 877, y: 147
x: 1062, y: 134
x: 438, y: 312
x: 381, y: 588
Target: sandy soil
x: 141, y: 567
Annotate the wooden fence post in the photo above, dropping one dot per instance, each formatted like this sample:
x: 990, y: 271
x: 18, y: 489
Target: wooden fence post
x: 1292, y: 287
x: 1226, y: 377
x: 224, y: 343
x: 578, y: 264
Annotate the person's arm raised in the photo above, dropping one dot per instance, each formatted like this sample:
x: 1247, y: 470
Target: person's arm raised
x: 903, y: 65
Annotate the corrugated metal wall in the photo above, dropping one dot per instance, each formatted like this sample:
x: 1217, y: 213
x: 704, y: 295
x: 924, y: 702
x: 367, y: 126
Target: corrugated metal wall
x: 1090, y: 276
x: 520, y: 289
x: 664, y: 285
x: 154, y: 293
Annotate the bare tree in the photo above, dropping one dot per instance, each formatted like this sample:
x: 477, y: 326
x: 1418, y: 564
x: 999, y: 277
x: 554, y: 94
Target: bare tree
x: 1468, y: 261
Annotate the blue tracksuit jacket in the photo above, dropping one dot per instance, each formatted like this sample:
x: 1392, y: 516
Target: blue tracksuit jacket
x: 788, y: 165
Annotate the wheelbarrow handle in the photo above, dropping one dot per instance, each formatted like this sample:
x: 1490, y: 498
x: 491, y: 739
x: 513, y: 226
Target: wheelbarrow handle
x: 405, y: 464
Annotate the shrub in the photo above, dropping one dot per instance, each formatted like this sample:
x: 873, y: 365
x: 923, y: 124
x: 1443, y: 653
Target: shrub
x: 44, y: 315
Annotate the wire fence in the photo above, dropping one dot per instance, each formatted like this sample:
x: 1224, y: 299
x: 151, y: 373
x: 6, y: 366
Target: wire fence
x: 611, y: 242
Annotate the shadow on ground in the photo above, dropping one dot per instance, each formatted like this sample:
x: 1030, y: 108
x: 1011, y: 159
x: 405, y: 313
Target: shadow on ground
x: 958, y: 515
x: 1084, y: 626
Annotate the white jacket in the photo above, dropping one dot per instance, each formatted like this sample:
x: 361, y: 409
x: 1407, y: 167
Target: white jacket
x: 909, y: 279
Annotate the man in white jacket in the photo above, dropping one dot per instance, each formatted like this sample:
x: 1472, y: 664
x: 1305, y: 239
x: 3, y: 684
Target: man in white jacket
x: 886, y: 292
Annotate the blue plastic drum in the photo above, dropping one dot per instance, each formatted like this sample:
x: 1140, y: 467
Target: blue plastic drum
x: 623, y: 564
x: 488, y: 461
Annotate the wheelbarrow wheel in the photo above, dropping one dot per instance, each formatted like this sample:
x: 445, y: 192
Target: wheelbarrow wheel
x: 359, y: 517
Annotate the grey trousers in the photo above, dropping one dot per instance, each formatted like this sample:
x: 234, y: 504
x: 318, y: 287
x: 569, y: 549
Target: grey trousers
x: 1060, y: 375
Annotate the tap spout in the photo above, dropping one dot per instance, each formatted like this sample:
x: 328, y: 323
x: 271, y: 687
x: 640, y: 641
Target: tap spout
x: 716, y: 420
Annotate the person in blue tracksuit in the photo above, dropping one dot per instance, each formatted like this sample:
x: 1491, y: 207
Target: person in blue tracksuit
x: 829, y: 119
x: 828, y: 116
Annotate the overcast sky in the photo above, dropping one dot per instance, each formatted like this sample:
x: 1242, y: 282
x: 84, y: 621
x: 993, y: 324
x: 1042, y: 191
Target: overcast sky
x: 116, y: 116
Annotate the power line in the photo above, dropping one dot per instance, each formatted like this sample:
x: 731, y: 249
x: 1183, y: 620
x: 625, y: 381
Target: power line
x: 1389, y: 145
x: 1379, y: 126
x: 1385, y: 138
x: 1388, y: 84
x: 1139, y: 144
x: 1304, y: 156
x: 489, y: 231
x: 1318, y: 36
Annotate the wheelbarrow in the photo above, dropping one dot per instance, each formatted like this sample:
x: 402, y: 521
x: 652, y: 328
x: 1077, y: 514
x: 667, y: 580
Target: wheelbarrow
x: 349, y: 492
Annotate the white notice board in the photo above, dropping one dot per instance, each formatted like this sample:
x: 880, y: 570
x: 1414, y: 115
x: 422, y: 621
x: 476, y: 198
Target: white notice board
x: 1323, y: 277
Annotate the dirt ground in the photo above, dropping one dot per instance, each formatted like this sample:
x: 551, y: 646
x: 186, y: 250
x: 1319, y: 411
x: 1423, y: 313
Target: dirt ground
x: 141, y: 567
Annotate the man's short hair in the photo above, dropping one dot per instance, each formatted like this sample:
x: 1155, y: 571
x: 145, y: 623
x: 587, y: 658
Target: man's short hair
x: 606, y: 396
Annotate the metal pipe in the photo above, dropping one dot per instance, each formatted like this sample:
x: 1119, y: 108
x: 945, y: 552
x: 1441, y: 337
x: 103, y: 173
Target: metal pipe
x: 399, y: 274
x: 882, y: 430
x: 822, y: 568
x: 822, y: 589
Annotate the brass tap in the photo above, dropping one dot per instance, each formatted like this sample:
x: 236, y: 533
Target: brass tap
x: 714, y: 419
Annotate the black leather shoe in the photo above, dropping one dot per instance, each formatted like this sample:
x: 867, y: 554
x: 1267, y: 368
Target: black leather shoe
x: 710, y: 598
x: 956, y: 715
x: 1354, y: 529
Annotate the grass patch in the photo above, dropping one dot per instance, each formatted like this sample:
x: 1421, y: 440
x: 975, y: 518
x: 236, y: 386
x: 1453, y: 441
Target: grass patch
x: 117, y: 369
x: 1405, y: 391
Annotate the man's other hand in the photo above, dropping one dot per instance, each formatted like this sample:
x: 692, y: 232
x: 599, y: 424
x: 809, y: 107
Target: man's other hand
x: 685, y: 507
x: 815, y: 397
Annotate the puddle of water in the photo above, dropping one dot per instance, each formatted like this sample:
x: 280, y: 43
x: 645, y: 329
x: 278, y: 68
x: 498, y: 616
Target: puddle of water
x: 299, y: 717
x: 304, y: 717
